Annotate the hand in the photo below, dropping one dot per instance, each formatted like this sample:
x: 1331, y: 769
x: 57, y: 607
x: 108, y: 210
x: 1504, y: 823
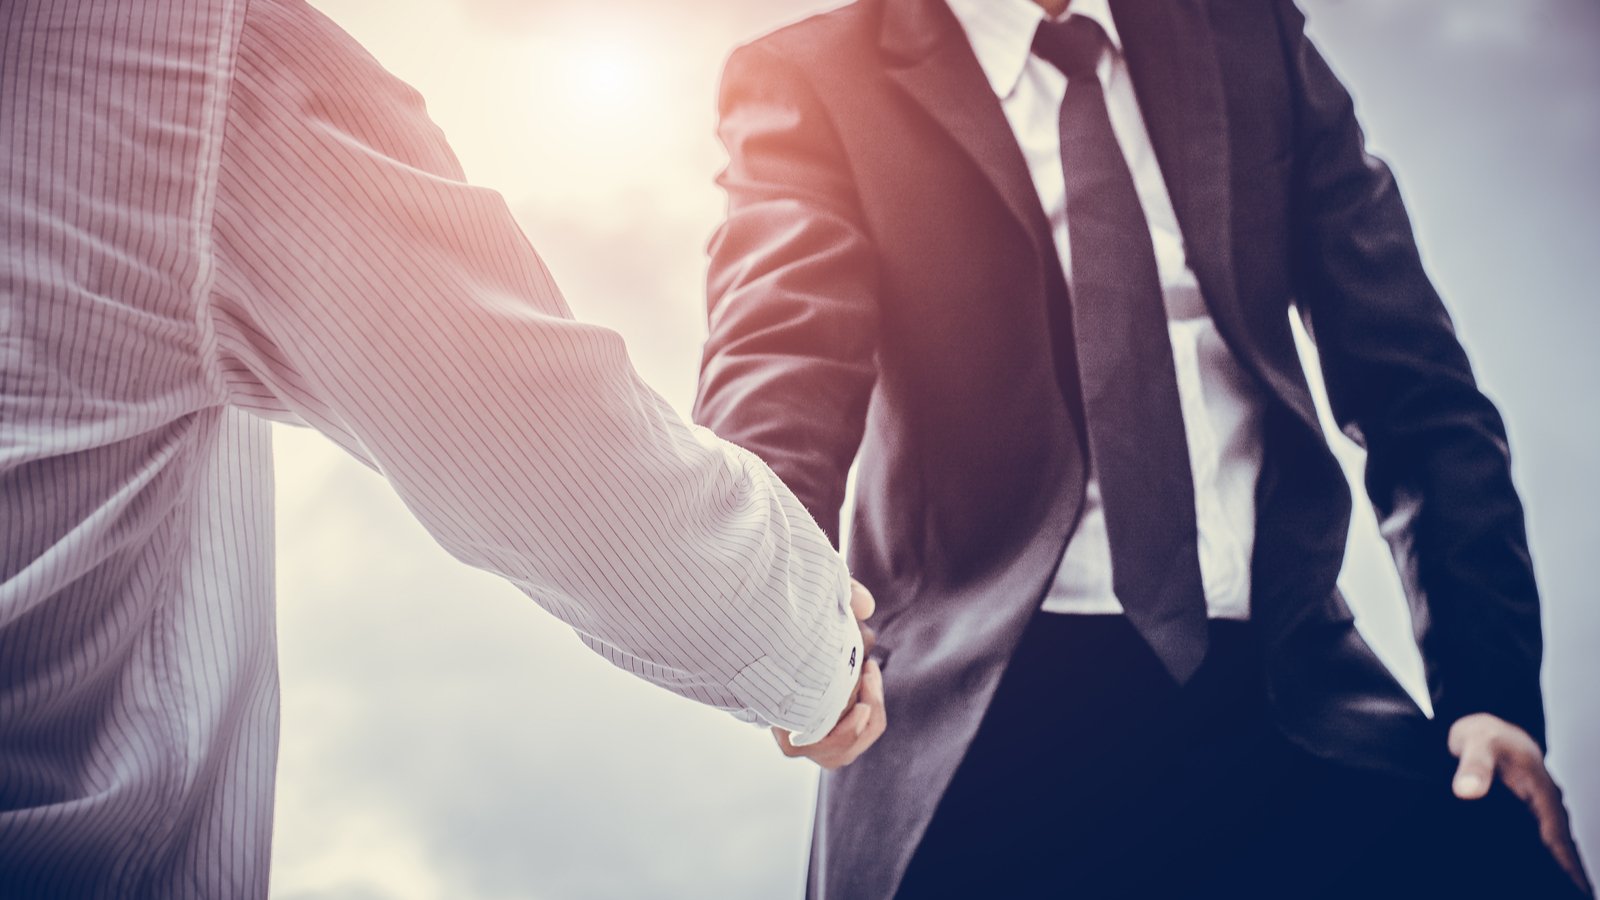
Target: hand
x: 865, y: 719
x: 1488, y: 747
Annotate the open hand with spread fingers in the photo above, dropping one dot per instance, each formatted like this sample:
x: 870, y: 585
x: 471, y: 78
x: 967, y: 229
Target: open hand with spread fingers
x: 1489, y: 748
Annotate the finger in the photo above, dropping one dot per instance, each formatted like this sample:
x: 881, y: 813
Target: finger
x: 860, y: 729
x: 861, y: 602
x: 782, y: 737
x: 872, y: 730
x: 844, y: 733
x: 1566, y: 854
x: 880, y: 719
x: 872, y: 684
x: 874, y: 723
x: 843, y: 736
x: 831, y: 751
x: 1555, y: 829
x: 869, y: 638
x: 872, y: 696
x: 860, y: 718
x: 1556, y: 833
x: 1530, y: 783
x: 1476, y: 771
x: 1526, y: 777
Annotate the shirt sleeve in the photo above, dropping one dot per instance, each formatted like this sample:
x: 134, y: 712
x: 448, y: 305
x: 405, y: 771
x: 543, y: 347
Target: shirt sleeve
x: 363, y: 287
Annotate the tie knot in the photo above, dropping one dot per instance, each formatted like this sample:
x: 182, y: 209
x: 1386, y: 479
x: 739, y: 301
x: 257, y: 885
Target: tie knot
x: 1073, y: 46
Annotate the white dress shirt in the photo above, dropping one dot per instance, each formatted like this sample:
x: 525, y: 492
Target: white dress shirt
x: 213, y: 211
x: 1221, y: 408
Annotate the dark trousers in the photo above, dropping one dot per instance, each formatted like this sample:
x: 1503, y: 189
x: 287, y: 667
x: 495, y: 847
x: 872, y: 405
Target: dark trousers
x: 1093, y: 775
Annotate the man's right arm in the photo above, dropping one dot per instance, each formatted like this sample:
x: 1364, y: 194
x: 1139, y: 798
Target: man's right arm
x: 362, y: 286
x: 789, y: 364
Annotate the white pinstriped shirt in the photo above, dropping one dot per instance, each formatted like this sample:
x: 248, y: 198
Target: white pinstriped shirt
x: 213, y: 211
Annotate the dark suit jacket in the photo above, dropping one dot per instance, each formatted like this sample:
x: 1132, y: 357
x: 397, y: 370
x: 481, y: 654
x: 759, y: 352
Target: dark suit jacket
x: 884, y: 283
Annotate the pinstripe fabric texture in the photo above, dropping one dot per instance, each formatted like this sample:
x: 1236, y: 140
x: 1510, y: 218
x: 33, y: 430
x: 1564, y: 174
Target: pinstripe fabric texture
x: 217, y: 211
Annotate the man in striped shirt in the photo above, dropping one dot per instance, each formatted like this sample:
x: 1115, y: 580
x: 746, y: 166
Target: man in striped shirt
x: 216, y: 213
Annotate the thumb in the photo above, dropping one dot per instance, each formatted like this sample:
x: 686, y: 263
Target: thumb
x: 861, y: 603
x: 1476, y: 771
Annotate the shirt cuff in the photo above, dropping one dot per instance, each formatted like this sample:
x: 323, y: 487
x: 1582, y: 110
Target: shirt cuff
x: 808, y: 696
x: 839, y: 696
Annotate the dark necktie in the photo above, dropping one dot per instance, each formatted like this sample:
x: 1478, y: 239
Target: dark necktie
x: 1130, y: 389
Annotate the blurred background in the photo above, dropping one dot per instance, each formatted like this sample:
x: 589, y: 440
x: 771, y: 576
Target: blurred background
x: 444, y: 738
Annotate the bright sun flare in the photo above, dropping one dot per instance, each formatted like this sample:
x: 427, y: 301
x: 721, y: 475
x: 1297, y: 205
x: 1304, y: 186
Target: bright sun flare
x: 605, y: 73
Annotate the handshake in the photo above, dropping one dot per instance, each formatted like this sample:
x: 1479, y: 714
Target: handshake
x: 864, y: 718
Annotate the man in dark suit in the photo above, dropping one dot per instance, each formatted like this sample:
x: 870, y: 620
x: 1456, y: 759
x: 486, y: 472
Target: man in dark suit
x: 1037, y: 266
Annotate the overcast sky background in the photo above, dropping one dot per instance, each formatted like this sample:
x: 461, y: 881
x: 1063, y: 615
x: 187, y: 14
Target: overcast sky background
x: 444, y: 738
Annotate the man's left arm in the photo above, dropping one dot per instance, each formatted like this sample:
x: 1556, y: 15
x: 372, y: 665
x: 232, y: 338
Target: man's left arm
x: 1396, y: 371
x: 1436, y: 445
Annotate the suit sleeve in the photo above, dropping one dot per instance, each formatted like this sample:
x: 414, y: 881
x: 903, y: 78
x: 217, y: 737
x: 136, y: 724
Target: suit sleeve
x: 789, y: 364
x: 1437, y: 450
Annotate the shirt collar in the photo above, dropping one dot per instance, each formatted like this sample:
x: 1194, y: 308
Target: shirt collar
x: 1001, y: 33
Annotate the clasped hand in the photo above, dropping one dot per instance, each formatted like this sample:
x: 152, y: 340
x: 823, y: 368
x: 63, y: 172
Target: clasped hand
x: 865, y: 719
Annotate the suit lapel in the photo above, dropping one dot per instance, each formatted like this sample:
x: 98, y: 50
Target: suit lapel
x: 1177, y: 76
x: 931, y: 60
x: 1172, y: 59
